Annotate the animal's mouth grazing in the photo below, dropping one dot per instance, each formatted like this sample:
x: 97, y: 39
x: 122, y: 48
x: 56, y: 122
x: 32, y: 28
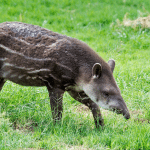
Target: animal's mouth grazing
x: 125, y: 113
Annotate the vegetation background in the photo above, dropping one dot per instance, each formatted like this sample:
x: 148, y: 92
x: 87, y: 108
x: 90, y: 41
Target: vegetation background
x: 25, y: 115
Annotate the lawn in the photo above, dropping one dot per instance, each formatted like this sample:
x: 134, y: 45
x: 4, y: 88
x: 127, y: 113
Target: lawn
x: 25, y: 115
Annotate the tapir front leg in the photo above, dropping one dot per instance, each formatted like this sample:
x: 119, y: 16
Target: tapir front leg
x: 84, y: 99
x: 56, y: 102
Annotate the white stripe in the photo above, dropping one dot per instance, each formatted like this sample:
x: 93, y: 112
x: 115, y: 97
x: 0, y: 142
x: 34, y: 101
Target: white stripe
x: 28, y: 77
x: 13, y: 75
x: 45, y: 81
x: 40, y: 70
x: 22, y: 41
x: 5, y: 74
x: 20, y: 54
x: 3, y: 59
x: 21, y: 76
x: 66, y: 77
x: 34, y: 78
x: 46, y: 76
x: 53, y: 44
x: 63, y: 66
x: 36, y: 59
x: 55, y: 78
x: 17, y: 67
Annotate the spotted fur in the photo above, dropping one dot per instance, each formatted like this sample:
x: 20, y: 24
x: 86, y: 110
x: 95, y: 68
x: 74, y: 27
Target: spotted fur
x: 34, y: 56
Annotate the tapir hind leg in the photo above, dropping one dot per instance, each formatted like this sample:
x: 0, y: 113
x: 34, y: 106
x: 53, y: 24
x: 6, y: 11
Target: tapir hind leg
x: 2, y: 81
x: 56, y: 102
x: 84, y: 99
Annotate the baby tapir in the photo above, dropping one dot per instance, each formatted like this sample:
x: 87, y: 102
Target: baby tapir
x: 34, y: 56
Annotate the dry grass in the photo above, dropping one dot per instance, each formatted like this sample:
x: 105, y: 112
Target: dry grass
x: 30, y: 149
x: 78, y: 148
x: 143, y: 22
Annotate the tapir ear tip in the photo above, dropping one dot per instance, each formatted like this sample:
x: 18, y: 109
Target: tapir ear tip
x: 96, y: 70
x: 111, y: 63
x: 97, y: 64
x: 111, y: 60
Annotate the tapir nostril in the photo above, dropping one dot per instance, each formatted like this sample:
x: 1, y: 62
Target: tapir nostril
x: 127, y: 115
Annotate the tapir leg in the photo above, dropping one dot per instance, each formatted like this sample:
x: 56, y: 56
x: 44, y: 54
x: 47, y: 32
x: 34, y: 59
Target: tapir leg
x: 56, y: 100
x: 84, y: 99
x: 2, y: 81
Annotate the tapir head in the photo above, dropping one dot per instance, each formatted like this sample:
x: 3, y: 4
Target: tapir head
x: 103, y: 90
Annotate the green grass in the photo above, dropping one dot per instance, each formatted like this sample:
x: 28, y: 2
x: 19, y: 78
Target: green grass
x: 25, y: 115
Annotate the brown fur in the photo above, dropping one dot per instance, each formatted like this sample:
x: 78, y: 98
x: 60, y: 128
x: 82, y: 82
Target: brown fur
x: 34, y: 56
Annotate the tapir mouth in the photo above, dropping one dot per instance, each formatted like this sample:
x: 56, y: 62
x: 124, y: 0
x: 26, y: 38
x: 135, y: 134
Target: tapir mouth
x: 120, y: 108
x: 125, y: 112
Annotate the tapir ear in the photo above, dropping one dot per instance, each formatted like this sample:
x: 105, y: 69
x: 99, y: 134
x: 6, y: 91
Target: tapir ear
x: 111, y: 63
x: 96, y: 70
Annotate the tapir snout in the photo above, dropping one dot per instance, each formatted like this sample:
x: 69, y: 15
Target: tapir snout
x: 120, y: 108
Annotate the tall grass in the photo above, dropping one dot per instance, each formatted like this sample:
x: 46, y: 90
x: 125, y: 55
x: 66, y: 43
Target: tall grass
x: 25, y: 115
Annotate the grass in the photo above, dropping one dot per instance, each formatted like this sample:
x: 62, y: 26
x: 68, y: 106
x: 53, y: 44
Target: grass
x: 25, y: 118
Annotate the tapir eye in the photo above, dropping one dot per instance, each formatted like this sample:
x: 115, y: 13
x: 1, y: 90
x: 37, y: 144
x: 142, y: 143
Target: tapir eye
x: 106, y: 94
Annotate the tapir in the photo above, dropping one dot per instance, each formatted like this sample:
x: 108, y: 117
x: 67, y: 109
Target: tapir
x: 34, y: 56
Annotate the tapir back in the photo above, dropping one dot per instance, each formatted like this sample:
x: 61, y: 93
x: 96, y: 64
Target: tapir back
x: 30, y: 55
